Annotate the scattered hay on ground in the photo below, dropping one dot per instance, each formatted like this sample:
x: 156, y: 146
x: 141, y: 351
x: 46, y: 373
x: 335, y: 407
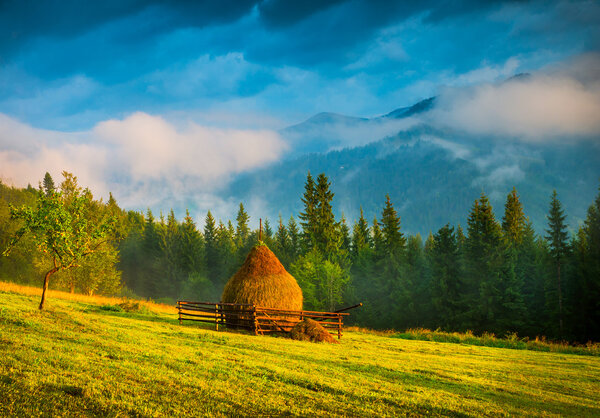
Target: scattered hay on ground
x: 310, y: 330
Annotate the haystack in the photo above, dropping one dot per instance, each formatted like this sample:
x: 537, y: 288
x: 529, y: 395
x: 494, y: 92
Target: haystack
x: 263, y: 281
x: 309, y: 330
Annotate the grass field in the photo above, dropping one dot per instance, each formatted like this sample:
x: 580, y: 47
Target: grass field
x: 88, y: 357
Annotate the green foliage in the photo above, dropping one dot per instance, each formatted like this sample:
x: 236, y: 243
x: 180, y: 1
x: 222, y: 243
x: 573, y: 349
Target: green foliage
x: 242, y: 230
x: 514, y: 221
x: 445, y: 287
x: 48, y: 183
x: 557, y: 238
x: 323, y: 282
x: 64, y: 227
x: 393, y: 239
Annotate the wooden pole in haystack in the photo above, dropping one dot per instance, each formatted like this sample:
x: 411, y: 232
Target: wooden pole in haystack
x: 260, y: 229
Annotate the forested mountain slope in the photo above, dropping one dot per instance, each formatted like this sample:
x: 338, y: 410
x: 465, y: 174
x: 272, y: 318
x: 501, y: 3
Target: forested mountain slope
x: 433, y: 176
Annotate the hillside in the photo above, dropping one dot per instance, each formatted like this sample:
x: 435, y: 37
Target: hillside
x: 86, y: 358
x: 432, y: 175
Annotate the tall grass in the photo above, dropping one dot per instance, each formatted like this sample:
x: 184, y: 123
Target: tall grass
x: 511, y: 341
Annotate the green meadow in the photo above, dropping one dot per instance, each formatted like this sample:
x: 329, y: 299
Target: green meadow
x: 89, y: 358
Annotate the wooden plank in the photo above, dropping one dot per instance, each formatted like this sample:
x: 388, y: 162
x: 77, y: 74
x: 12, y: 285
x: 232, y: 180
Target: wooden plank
x: 197, y: 316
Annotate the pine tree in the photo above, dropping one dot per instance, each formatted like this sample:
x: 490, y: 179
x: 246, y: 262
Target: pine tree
x: 227, y: 263
x: 483, y: 251
x: 267, y: 235
x: 151, y: 246
x: 295, y: 239
x: 590, y: 254
x: 171, y: 267
x: 191, y: 256
x: 308, y: 218
x: 445, y: 286
x: 282, y: 248
x: 559, y: 248
x: 393, y: 239
x: 344, y: 233
x: 378, y: 241
x: 361, y: 238
x: 514, y: 221
x: 513, y: 230
x: 327, y: 238
x: 211, y: 254
x: 530, y: 267
x: 48, y: 183
x: 242, y: 230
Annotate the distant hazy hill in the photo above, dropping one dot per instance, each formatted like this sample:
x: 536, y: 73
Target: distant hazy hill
x: 432, y: 176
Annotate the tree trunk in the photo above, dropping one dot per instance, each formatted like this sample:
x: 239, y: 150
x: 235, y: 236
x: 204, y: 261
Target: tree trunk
x: 45, y: 287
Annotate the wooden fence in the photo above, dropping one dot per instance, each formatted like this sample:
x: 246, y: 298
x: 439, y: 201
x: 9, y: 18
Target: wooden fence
x: 256, y: 319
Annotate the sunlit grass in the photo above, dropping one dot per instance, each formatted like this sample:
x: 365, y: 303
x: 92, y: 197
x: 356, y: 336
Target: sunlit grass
x: 99, y: 300
x: 511, y: 341
x: 80, y: 357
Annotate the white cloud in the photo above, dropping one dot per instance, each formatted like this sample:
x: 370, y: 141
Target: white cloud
x: 501, y: 176
x: 458, y: 151
x: 550, y: 104
x: 145, y: 160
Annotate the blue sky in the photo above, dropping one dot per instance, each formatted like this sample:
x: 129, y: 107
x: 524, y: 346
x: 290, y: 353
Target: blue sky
x: 194, y: 88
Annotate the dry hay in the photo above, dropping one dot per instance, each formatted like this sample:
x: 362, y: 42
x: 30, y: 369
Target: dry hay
x: 311, y: 330
x: 263, y: 281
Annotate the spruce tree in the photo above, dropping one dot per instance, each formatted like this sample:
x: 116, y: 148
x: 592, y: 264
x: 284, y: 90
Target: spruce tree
x: 445, y: 286
x: 394, y: 241
x: 361, y: 238
x: 592, y: 269
x: 308, y: 218
x: 513, y: 230
x: 48, y: 183
x: 211, y: 254
x: 282, y: 247
x: 344, y: 233
x: 327, y: 237
x: 151, y: 246
x: 378, y: 240
x: 483, y: 251
x: 295, y: 239
x: 242, y: 230
x: 191, y: 256
x: 559, y: 248
x: 227, y: 264
x: 514, y: 221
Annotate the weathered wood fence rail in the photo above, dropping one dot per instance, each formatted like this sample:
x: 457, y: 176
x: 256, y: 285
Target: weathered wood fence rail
x: 257, y: 319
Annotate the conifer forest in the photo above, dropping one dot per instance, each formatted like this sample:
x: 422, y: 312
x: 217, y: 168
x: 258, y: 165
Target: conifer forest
x: 494, y: 274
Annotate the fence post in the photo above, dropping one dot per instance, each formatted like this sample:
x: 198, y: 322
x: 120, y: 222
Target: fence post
x: 216, y: 317
x: 179, y: 310
x: 222, y: 316
x: 255, y: 320
x: 339, y: 326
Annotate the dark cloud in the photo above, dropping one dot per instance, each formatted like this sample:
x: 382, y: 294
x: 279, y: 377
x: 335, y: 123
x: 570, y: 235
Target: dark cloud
x: 22, y: 20
x: 357, y: 56
x: 452, y: 8
x: 281, y: 13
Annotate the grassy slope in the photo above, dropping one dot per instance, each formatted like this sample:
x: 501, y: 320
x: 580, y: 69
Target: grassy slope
x: 78, y: 359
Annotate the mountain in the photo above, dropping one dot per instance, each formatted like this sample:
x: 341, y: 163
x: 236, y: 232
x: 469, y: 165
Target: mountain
x: 404, y: 112
x: 331, y: 131
x: 432, y: 176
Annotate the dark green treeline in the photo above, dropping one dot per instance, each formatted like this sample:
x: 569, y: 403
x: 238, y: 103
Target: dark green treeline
x: 495, y: 275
